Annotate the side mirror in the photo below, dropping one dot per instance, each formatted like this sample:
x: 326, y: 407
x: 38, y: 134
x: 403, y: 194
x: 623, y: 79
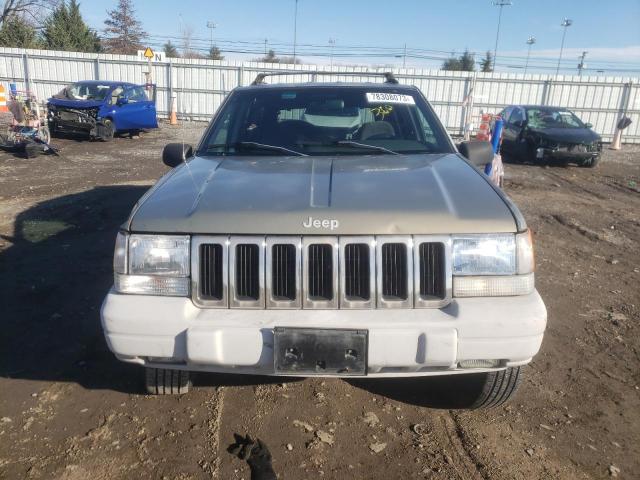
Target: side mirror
x: 588, y: 125
x: 122, y: 100
x: 176, y: 153
x: 478, y: 153
x: 520, y: 123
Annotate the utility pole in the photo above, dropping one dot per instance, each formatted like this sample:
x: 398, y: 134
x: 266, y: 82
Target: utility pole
x: 266, y: 41
x: 295, y: 31
x: 211, y: 26
x: 499, y: 3
x: 581, y: 65
x: 530, y: 41
x: 566, y: 23
x: 404, y: 56
x: 332, y: 43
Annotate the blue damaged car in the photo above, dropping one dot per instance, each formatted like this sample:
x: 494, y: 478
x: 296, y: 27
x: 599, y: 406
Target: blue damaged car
x: 102, y: 108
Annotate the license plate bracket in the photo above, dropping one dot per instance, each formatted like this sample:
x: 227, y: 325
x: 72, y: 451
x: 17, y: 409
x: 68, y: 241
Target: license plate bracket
x: 314, y: 351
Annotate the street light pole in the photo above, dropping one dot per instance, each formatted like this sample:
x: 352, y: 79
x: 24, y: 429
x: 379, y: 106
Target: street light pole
x: 295, y: 31
x: 332, y: 43
x: 530, y: 41
x: 211, y: 26
x: 499, y: 3
x: 581, y: 65
x: 566, y: 23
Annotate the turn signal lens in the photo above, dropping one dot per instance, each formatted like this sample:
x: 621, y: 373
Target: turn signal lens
x: 526, y: 258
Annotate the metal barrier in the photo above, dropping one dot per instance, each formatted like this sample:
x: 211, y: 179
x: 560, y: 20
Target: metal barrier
x: 201, y: 85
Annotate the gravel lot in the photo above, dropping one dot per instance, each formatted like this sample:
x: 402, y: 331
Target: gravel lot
x: 70, y: 410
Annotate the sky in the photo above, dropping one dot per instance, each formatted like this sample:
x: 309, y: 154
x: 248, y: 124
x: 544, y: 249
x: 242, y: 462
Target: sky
x: 608, y: 30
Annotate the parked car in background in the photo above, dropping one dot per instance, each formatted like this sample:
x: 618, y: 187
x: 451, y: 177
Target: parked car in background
x: 536, y: 133
x: 102, y: 109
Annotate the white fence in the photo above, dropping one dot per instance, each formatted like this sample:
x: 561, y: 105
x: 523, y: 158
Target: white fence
x: 201, y: 85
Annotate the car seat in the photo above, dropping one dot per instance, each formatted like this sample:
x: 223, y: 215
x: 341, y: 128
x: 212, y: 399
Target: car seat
x: 376, y: 131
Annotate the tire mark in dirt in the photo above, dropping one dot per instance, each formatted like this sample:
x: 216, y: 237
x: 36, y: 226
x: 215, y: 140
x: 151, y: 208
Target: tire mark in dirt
x: 575, y: 185
x: 215, y: 405
x: 458, y: 439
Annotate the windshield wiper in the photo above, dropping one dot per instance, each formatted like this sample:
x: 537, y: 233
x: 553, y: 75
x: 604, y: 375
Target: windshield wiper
x: 350, y: 143
x: 268, y: 147
x: 264, y: 146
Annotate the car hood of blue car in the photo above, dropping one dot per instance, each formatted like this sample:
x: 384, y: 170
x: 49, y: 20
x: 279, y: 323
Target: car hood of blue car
x: 59, y: 102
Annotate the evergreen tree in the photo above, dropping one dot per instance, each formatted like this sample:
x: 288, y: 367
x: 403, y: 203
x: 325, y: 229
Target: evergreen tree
x: 269, y: 58
x: 65, y: 29
x: 465, y: 62
x: 16, y: 32
x: 486, y: 64
x: 124, y: 33
x: 451, y: 64
x: 215, y: 54
x: 170, y: 50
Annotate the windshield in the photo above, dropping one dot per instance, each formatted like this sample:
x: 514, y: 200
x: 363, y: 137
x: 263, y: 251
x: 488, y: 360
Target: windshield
x: 325, y: 121
x: 552, y: 118
x: 87, y: 91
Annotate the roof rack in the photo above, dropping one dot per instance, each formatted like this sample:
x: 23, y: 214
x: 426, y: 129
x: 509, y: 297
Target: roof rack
x: 259, y: 80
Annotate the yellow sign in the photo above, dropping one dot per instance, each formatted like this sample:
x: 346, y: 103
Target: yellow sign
x: 148, y: 53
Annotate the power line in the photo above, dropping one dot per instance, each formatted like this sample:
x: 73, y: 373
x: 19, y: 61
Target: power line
x: 250, y: 47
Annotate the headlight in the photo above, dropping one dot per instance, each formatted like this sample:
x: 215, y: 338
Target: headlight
x: 152, y: 264
x: 484, y: 255
x: 493, y: 265
x: 159, y: 255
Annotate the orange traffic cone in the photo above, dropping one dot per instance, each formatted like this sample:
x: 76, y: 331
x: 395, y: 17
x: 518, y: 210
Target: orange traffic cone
x: 3, y: 99
x: 484, y: 130
x: 173, y: 115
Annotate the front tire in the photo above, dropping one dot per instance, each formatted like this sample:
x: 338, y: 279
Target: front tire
x: 107, y: 130
x: 590, y: 163
x: 162, y: 381
x: 497, y: 388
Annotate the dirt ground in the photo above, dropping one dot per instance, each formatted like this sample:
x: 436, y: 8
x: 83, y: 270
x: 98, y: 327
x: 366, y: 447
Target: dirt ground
x: 70, y: 410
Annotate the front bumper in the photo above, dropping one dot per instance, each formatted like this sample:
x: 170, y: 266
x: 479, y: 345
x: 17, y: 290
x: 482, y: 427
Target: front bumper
x: 564, y: 153
x: 173, y: 333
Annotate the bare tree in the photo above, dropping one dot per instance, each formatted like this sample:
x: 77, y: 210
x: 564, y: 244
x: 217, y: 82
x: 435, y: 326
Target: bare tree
x: 123, y: 32
x: 188, y: 51
x: 25, y: 8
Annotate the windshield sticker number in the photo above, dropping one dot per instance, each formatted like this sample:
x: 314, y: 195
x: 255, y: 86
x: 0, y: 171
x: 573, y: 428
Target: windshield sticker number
x: 373, y: 97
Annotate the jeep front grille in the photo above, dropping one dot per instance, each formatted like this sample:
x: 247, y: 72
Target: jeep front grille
x: 247, y: 281
x: 283, y: 272
x: 321, y: 272
x: 394, y: 271
x: 357, y: 271
x: 320, y: 278
x: 211, y: 284
x: 431, y: 270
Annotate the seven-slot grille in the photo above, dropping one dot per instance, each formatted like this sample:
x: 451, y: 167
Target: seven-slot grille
x: 321, y: 272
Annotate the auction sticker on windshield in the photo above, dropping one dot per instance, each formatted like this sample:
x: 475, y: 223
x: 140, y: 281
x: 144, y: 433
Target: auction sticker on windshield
x: 373, y: 97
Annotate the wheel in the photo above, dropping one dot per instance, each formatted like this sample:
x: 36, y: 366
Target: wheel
x: 497, y: 387
x: 590, y: 163
x: 162, y: 381
x: 106, y: 130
